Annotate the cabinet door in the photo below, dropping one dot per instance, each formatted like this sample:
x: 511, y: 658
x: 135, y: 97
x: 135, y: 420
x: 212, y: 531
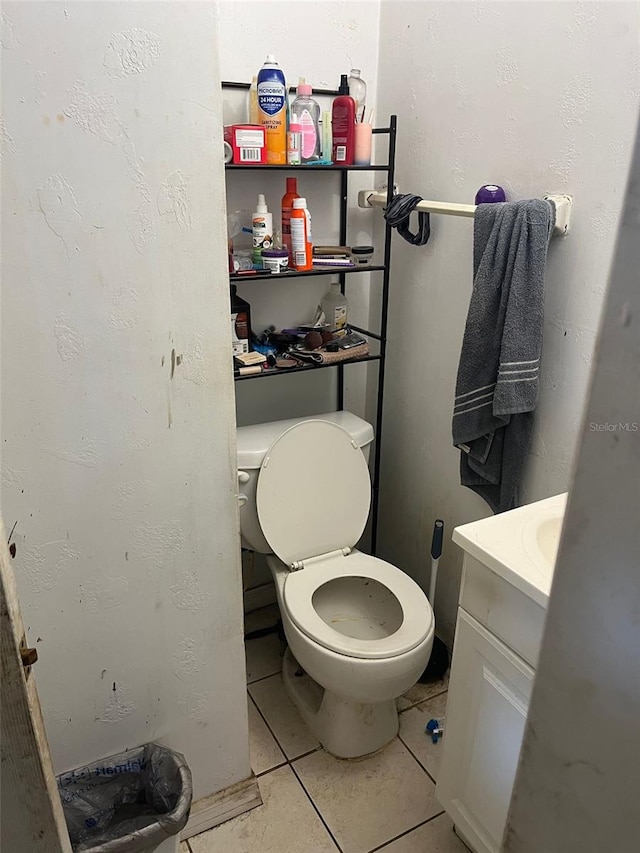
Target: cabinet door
x: 486, y: 711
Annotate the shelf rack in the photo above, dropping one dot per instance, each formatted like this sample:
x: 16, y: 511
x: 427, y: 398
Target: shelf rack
x: 342, y: 272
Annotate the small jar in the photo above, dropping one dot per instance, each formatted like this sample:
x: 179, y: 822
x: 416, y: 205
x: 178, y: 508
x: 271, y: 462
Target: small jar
x: 361, y: 255
x: 242, y: 260
x: 275, y: 260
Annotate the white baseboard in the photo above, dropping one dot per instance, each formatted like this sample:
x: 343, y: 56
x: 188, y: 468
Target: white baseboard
x: 259, y: 596
x: 217, y: 808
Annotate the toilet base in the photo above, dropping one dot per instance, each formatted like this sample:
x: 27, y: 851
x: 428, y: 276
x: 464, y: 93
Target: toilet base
x: 345, y: 729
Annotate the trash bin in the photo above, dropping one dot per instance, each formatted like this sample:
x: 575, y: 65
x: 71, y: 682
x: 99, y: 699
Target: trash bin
x: 127, y: 803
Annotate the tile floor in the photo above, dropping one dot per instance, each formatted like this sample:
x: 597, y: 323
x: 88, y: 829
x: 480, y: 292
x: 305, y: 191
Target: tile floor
x: 313, y: 802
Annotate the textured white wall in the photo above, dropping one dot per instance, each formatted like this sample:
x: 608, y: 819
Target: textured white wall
x: 117, y: 421
x: 537, y: 97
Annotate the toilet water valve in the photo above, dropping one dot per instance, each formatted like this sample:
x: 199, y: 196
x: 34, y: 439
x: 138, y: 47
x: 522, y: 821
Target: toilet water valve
x: 434, y: 730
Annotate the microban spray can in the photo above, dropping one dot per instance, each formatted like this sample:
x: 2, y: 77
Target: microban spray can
x: 272, y: 110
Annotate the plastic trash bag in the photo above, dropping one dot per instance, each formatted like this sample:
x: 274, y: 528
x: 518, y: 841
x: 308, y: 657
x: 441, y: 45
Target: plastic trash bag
x: 127, y: 803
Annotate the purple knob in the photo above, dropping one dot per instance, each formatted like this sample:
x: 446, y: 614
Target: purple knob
x: 490, y: 193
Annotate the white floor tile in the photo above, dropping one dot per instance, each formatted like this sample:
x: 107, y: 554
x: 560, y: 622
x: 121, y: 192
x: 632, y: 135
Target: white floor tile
x: 264, y: 656
x: 421, y: 692
x: 286, y: 822
x: 285, y: 722
x: 368, y: 801
x: 437, y: 836
x: 263, y: 749
x: 412, y: 732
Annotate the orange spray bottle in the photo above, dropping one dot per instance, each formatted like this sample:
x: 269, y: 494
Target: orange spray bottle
x: 301, y: 245
x: 287, y: 206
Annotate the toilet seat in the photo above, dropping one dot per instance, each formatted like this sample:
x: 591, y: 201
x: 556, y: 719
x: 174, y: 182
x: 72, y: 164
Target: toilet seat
x: 417, y: 616
x: 313, y: 496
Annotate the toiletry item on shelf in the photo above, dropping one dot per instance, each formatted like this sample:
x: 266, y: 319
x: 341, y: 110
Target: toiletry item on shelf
x: 248, y: 144
x: 240, y: 323
x: 262, y: 225
x: 252, y: 106
x: 242, y: 260
x: 287, y: 207
x: 349, y: 340
x: 362, y: 144
x: 245, y: 359
x: 301, y: 245
x: 358, y: 91
x: 490, y: 194
x: 362, y: 255
x: 343, y: 120
x: 294, y: 142
x: 324, y: 261
x: 334, y: 307
x: 332, y: 251
x: 276, y: 260
x: 327, y: 142
x: 272, y: 110
x: 308, y: 113
x: 253, y: 369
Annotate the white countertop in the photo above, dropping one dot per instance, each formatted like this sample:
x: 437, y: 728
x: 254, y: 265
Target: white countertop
x: 520, y: 545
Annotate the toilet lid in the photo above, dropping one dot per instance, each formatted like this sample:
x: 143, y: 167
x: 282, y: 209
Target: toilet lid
x: 359, y: 606
x: 313, y: 491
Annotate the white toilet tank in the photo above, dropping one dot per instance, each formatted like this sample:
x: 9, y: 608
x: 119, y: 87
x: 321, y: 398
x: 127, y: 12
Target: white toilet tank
x: 254, y: 442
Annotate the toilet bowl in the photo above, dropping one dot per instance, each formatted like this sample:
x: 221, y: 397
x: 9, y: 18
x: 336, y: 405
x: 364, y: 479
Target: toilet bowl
x: 359, y: 629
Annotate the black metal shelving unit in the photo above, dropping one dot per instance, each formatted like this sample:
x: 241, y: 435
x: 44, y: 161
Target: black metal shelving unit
x: 342, y: 272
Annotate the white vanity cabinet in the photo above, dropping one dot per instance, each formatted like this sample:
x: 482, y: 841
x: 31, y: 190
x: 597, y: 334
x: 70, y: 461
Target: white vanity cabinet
x: 498, y: 635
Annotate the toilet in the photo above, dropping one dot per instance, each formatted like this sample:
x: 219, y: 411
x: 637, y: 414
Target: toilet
x: 359, y: 630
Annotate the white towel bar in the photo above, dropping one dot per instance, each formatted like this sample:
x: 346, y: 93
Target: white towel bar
x: 563, y: 203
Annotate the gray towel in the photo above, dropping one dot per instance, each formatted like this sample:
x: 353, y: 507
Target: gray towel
x: 497, y: 384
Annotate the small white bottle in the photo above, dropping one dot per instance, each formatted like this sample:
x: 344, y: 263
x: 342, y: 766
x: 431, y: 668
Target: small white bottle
x: 294, y: 142
x: 334, y: 307
x: 262, y: 227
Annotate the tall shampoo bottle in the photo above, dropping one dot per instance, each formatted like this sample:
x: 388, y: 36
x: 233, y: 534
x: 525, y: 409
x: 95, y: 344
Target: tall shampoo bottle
x: 287, y: 208
x: 343, y: 125
x: 272, y: 110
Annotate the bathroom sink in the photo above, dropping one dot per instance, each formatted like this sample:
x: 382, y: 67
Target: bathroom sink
x: 521, y: 545
x: 547, y: 538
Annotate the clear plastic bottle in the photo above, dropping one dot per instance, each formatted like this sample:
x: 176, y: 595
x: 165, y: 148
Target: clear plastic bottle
x: 358, y: 91
x: 308, y: 112
x: 294, y: 142
x: 334, y: 307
